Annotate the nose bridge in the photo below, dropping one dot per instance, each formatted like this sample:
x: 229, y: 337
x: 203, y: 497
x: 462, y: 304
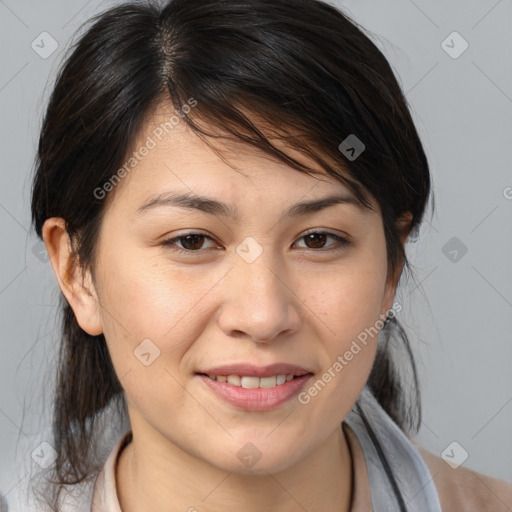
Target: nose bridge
x: 260, y: 280
x: 257, y: 266
x: 260, y: 303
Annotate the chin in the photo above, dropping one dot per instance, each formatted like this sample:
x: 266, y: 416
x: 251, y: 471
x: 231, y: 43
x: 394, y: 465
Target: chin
x: 251, y: 460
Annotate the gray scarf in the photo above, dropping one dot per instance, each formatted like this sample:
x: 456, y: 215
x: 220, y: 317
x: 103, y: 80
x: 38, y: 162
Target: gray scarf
x: 410, y: 471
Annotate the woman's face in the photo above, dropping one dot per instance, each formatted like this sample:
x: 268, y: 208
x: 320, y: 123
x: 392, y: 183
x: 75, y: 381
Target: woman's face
x: 249, y: 289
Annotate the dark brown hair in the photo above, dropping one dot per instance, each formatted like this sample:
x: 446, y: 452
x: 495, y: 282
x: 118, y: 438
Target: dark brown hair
x: 312, y: 77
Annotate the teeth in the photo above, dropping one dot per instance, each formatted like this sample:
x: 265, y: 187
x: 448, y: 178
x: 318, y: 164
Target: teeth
x: 247, y: 381
x: 235, y: 380
x: 250, y: 382
x: 268, y: 382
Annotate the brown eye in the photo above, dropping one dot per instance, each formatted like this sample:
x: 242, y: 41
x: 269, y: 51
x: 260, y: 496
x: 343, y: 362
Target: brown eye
x: 317, y: 240
x: 192, y: 242
x: 188, y: 242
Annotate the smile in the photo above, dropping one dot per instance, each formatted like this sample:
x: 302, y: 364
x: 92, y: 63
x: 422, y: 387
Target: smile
x: 251, y: 382
x: 253, y: 393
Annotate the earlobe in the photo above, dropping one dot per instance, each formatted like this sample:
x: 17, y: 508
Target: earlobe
x: 75, y: 283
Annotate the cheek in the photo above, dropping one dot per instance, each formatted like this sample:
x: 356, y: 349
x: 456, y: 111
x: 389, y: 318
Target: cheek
x: 350, y: 305
x: 348, y: 347
x: 348, y: 301
x: 143, y: 299
x: 151, y: 317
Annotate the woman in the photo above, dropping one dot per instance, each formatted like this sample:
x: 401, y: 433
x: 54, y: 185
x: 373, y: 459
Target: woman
x: 225, y: 189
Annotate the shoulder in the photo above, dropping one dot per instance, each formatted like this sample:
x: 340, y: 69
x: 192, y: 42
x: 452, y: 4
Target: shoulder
x: 465, y: 490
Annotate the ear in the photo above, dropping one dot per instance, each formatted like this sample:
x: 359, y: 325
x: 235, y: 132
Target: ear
x: 404, y: 228
x: 76, y: 285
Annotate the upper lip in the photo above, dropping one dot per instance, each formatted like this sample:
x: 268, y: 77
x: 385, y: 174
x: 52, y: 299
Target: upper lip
x: 257, y: 371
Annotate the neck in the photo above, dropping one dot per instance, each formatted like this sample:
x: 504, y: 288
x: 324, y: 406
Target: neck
x: 155, y: 474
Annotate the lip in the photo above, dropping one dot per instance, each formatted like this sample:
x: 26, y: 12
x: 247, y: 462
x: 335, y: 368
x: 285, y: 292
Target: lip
x: 257, y: 371
x: 256, y: 399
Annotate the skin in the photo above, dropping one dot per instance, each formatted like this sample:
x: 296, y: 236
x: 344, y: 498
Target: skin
x: 295, y: 303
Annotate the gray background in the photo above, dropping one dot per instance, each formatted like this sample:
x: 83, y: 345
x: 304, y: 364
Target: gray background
x: 458, y: 307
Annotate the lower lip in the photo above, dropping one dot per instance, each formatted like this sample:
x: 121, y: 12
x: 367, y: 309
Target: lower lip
x: 256, y: 399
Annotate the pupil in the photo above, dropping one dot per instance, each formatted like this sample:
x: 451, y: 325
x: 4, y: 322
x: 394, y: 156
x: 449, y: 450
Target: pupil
x: 197, y: 241
x: 316, y: 243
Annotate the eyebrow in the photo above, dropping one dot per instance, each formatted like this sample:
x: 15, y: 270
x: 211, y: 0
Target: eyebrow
x: 218, y: 208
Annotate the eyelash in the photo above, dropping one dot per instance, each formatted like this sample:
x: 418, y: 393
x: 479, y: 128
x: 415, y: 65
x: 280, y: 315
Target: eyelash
x: 341, y: 242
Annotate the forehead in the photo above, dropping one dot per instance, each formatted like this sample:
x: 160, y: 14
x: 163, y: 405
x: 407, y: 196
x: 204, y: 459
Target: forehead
x: 168, y: 155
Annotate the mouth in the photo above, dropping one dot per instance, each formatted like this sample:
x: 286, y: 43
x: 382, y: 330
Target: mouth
x: 255, y: 388
x: 253, y: 382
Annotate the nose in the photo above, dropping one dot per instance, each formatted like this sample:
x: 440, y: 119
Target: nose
x: 259, y: 302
